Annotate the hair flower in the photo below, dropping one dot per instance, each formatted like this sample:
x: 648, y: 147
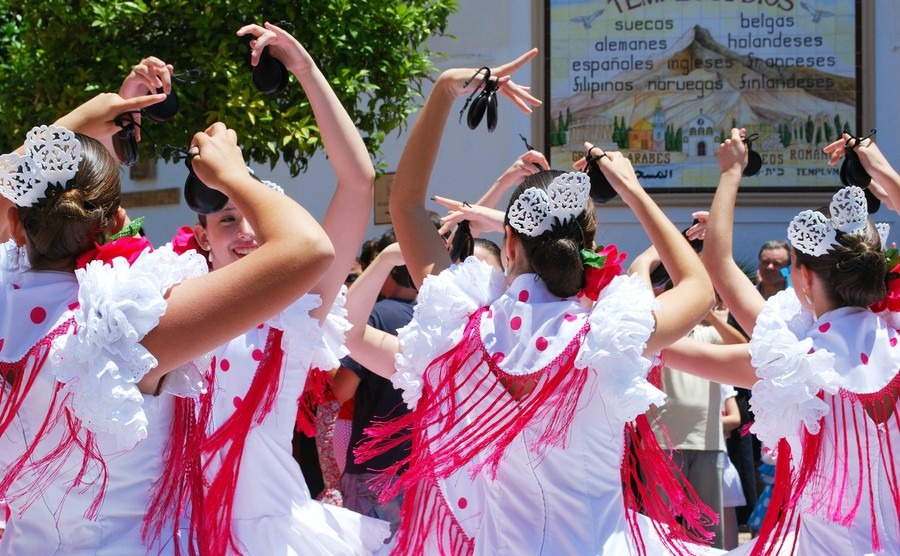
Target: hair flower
x: 601, y: 265
x: 127, y: 247
x: 891, y: 300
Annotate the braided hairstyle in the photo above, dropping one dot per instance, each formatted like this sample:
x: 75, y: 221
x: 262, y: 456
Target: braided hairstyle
x: 854, y: 269
x: 69, y: 220
x: 555, y: 255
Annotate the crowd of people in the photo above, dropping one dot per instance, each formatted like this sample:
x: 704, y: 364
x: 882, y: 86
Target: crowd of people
x: 535, y: 397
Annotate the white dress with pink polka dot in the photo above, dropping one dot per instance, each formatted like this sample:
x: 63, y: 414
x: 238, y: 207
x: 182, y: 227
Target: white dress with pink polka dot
x: 826, y: 402
x: 554, y: 486
x: 273, y: 512
x: 80, y: 446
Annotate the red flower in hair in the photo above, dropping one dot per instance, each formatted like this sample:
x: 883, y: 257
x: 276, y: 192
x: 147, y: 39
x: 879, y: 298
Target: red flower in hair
x: 891, y: 299
x: 185, y: 241
x: 600, y: 266
x: 128, y: 247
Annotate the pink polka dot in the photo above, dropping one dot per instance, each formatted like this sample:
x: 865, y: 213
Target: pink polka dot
x: 490, y: 313
x: 515, y: 323
x: 73, y: 306
x: 864, y: 358
x: 811, y: 350
x: 498, y: 357
x: 824, y: 327
x: 261, y: 325
x: 38, y: 314
x: 541, y: 343
x: 523, y: 296
x: 237, y: 401
x: 462, y: 503
x: 16, y: 286
x: 1, y: 344
x: 570, y: 317
x: 257, y: 355
x: 893, y: 342
x: 225, y: 365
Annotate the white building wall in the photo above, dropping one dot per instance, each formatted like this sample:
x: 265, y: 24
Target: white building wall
x: 489, y: 33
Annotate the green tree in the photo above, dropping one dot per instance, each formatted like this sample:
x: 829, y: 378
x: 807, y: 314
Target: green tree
x: 55, y: 55
x: 786, y: 135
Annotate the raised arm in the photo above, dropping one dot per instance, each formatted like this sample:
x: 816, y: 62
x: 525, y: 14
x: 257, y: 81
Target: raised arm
x: 691, y: 297
x: 423, y: 249
x: 94, y: 118
x: 736, y: 290
x: 877, y: 166
x: 372, y: 348
x: 351, y: 205
x: 525, y: 165
x: 294, y: 252
x: 644, y: 264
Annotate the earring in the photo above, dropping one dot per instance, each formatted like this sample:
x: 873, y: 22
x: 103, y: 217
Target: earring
x: 806, y: 295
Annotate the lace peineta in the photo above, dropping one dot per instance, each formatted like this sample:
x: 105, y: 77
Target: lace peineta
x: 535, y: 211
x: 813, y: 233
x: 51, y: 160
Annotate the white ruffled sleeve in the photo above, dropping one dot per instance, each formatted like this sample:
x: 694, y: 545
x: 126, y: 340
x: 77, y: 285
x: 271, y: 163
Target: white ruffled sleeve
x: 786, y: 396
x: 445, y: 303
x: 309, y: 343
x: 101, y: 363
x: 621, y: 323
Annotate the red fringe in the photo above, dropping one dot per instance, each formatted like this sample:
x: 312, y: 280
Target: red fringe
x: 19, y: 377
x: 827, y: 487
x: 504, y: 405
x: 181, y: 486
x: 425, y: 515
x: 318, y: 383
x: 667, y: 499
x: 229, y: 439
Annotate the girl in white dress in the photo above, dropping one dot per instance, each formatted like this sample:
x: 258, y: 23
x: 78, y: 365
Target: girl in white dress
x: 521, y: 395
x: 823, y: 364
x: 255, y: 490
x: 95, y: 334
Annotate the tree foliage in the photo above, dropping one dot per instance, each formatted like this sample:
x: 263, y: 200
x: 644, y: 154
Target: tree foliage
x: 55, y: 54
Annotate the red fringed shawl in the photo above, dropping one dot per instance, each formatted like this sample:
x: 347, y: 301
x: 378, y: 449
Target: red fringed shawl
x: 837, y: 485
x: 466, y: 419
x: 18, y: 379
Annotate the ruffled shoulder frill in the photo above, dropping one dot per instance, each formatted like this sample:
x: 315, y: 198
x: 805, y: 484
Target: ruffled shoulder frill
x: 445, y: 303
x: 791, y: 373
x: 101, y: 363
x: 308, y: 342
x: 621, y: 323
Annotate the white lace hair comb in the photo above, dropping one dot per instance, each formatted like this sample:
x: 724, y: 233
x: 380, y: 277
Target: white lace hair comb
x: 52, y: 155
x: 536, y: 210
x: 813, y: 233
